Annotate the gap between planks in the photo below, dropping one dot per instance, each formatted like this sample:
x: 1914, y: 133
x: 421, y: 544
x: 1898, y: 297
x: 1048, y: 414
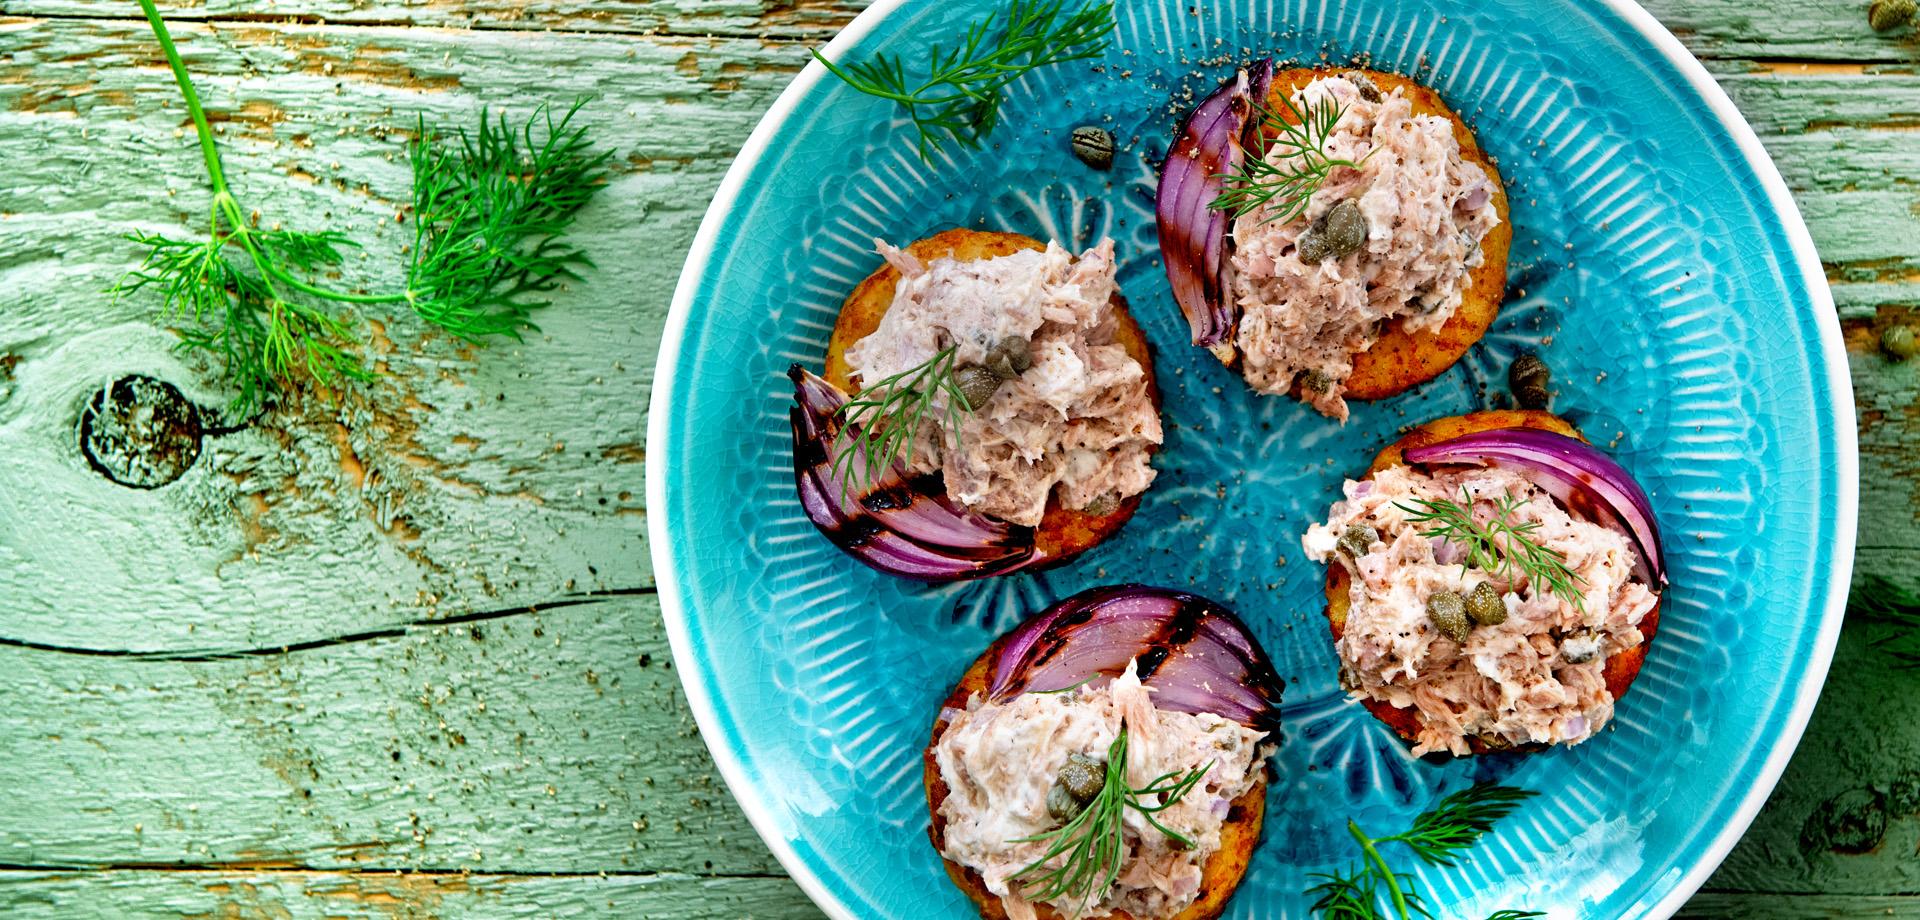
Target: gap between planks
x: 394, y: 631
x: 270, y: 868
x: 816, y: 35
x: 807, y: 37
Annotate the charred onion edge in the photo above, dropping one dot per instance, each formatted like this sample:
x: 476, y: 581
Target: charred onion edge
x: 1195, y: 242
x: 898, y: 525
x: 1578, y: 474
x: 1195, y: 654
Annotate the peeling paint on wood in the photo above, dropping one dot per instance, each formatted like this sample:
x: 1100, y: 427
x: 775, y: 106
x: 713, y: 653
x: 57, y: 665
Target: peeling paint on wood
x: 298, y: 895
x: 526, y: 741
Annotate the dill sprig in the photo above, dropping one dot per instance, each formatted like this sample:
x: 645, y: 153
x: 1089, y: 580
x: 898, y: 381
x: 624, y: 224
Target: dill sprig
x: 959, y: 99
x: 240, y: 286
x: 1500, y: 546
x: 490, y: 215
x: 239, y: 311
x: 1092, y: 843
x: 882, y: 422
x: 1284, y: 188
x: 1437, y: 837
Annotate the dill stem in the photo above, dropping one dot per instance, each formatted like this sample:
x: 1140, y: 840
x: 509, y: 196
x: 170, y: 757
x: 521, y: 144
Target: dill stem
x: 1380, y: 866
x: 215, y: 175
x: 331, y: 294
x: 224, y: 201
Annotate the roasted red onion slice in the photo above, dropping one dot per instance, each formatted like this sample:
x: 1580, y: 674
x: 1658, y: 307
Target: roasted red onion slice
x: 901, y: 526
x: 1196, y: 655
x: 1585, y: 480
x: 1194, y: 242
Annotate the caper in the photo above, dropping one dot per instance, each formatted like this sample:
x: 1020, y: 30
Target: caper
x: 1062, y: 805
x: 1485, y: 606
x: 1528, y: 369
x: 1346, y: 227
x: 1083, y: 776
x: 1532, y: 397
x: 1316, y: 381
x: 1094, y: 146
x: 1448, y: 611
x: 1898, y: 342
x: 1010, y: 357
x: 1312, y: 247
x: 1358, y: 539
x: 976, y: 384
x: 1529, y: 377
x: 1334, y: 234
x: 1368, y: 91
x: 1890, y: 14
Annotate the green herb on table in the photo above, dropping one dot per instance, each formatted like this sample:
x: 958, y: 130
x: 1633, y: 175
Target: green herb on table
x: 889, y: 414
x: 1500, y: 546
x: 959, y: 99
x: 1283, y: 187
x: 491, y: 213
x: 1089, y: 847
x: 1436, y: 838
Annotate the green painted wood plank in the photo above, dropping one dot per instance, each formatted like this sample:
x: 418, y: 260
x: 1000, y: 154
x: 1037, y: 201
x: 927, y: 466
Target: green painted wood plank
x: 1715, y: 905
x: 1860, y: 757
x: 812, y: 20
x: 1820, y: 30
x: 554, y: 741
x: 466, y: 479
x: 81, y: 92
x: 1824, y: 30
x: 151, y: 895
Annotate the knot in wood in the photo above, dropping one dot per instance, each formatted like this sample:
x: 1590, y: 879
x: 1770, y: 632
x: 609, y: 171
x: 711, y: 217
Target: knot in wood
x: 140, y: 432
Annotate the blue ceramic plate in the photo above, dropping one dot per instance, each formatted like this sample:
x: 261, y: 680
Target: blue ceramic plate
x: 1658, y: 265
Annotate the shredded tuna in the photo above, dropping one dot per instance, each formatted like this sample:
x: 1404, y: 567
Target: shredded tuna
x: 1427, y: 211
x: 1539, y: 677
x: 998, y: 761
x: 1079, y: 424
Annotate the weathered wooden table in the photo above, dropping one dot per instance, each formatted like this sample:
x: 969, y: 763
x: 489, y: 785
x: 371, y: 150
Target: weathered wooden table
x: 397, y: 653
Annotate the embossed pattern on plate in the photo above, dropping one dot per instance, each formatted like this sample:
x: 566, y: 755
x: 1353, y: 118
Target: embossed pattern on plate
x: 1648, y: 267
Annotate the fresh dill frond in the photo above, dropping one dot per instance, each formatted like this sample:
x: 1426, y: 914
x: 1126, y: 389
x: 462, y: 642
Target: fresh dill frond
x: 491, y: 212
x: 882, y: 421
x: 959, y: 99
x: 1459, y: 821
x: 1349, y: 894
x: 490, y: 218
x: 1090, y: 847
x: 1500, y: 546
x: 1283, y: 188
x: 1437, y: 837
x: 239, y: 310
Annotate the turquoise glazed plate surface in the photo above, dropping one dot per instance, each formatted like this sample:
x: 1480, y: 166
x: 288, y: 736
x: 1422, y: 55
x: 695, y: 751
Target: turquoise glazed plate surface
x: 1658, y: 265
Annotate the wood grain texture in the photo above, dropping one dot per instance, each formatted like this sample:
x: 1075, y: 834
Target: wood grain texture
x: 406, y: 537
x: 466, y: 478
x: 551, y: 741
x: 299, y: 895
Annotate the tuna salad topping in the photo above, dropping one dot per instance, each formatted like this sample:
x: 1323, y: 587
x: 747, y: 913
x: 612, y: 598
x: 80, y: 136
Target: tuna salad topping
x: 1054, y: 404
x: 1477, y: 648
x: 1396, y: 238
x: 1015, y: 771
